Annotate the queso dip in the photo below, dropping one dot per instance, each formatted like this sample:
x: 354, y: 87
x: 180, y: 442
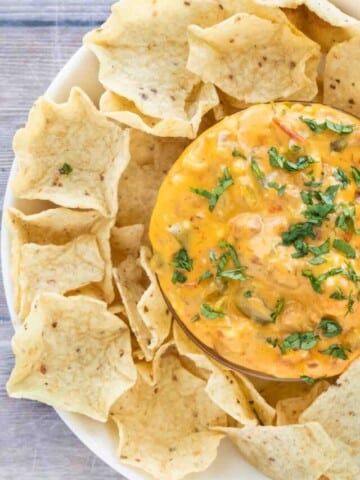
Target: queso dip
x: 256, y: 236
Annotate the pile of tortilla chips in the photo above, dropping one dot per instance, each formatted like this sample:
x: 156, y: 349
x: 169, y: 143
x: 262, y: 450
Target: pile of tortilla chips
x: 94, y: 333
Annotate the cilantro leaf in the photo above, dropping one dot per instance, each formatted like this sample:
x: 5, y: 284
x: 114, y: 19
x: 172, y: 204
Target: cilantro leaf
x: 208, y: 312
x: 321, y: 249
x: 308, y: 380
x: 298, y: 231
x: 336, y: 351
x: 276, y: 159
x: 255, y: 168
x: 344, y: 248
x: 317, y: 281
x: 237, y: 154
x: 195, y: 318
x: 272, y: 341
x: 279, y: 188
x: 299, y: 341
x: 316, y: 127
x: 317, y: 261
x: 355, y: 172
x: 224, y: 183
x: 341, y: 176
x: 312, y: 182
x: 182, y: 260
x: 234, y: 274
x: 66, y: 169
x: 338, y: 295
x: 231, y: 251
x: 205, y: 275
x: 330, y: 328
x: 178, y: 277
x: 279, y: 307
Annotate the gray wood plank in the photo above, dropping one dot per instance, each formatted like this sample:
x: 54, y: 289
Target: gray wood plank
x: 37, y: 37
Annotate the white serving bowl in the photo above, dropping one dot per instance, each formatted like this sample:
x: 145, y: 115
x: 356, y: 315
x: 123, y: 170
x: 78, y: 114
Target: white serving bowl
x: 82, y: 70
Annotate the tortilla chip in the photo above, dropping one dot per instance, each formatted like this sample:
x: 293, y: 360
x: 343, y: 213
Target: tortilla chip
x: 151, y: 157
x: 163, y: 428
x: 57, y: 268
x: 275, y: 391
x: 71, y: 155
x: 232, y: 392
x: 341, y: 86
x: 143, y: 51
x: 254, y: 59
x: 338, y: 411
x: 125, y: 241
x: 73, y: 354
x: 202, y: 100
x: 288, y: 410
x: 59, y: 226
x: 149, y: 316
x: 296, y: 452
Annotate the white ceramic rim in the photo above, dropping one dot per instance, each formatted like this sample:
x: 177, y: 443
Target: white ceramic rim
x: 85, y: 429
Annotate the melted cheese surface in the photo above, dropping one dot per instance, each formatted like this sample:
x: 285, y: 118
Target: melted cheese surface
x: 265, y: 315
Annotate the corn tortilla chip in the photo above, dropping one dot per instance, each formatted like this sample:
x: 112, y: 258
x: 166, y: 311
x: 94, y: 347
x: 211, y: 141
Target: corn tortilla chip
x: 71, y: 155
x: 341, y: 86
x: 338, y: 411
x: 288, y: 410
x: 143, y: 51
x: 296, y: 452
x: 202, y: 99
x: 163, y: 428
x: 275, y: 391
x: 57, y: 268
x: 125, y: 241
x: 151, y: 157
x: 254, y: 59
x: 149, y: 316
x: 73, y: 354
x: 59, y: 226
x: 230, y: 391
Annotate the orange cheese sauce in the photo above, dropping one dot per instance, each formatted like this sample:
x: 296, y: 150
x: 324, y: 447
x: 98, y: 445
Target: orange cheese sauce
x: 271, y: 295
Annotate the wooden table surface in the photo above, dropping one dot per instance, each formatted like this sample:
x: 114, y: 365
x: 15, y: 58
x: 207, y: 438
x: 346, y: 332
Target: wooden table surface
x: 36, y: 39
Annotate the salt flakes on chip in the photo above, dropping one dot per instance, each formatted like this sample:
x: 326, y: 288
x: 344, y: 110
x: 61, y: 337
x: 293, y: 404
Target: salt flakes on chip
x: 338, y: 410
x: 164, y: 427
x: 341, y: 86
x: 124, y: 111
x: 296, y: 452
x: 142, y: 50
x: 57, y: 268
x: 71, y: 155
x: 73, y: 354
x: 254, y: 59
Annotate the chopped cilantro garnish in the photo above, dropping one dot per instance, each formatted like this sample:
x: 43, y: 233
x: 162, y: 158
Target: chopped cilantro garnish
x: 355, y: 172
x: 327, y: 125
x: 344, y: 248
x: 272, y: 341
x: 212, y: 256
x: 308, y: 197
x: 178, y: 277
x: 195, y: 318
x: 182, y: 260
x: 338, y: 295
x: 317, y: 261
x: 222, y: 261
x: 298, y: 231
x: 321, y: 249
x: 330, y: 328
x: 341, y: 176
x: 279, y: 188
x: 205, y: 275
x: 317, y: 281
x: 351, y: 274
x: 312, y: 182
x: 66, y: 169
x: 338, y: 145
x: 295, y: 148
x: 302, y: 248
x: 299, y: 341
x: 248, y: 294
x: 231, y: 251
x: 255, y: 168
x: 278, y: 160
x: 350, y: 304
x: 329, y: 195
x: 308, y: 380
x: 279, y: 307
x: 237, y: 154
x: 224, y: 183
x: 336, y: 351
x: 234, y: 274
x: 208, y: 312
